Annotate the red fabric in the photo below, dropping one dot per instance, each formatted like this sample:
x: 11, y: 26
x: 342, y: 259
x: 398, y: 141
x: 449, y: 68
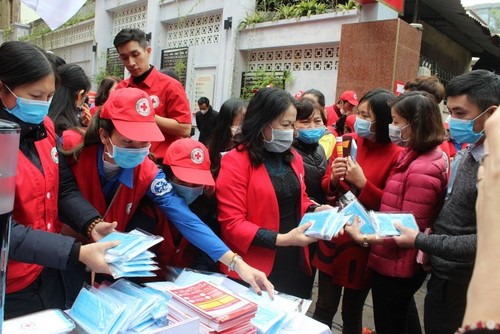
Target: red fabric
x: 169, y: 100
x: 417, y: 186
x: 71, y: 138
x: 332, y: 114
x: 247, y: 202
x: 342, y: 258
x: 35, y: 203
x: 126, y: 200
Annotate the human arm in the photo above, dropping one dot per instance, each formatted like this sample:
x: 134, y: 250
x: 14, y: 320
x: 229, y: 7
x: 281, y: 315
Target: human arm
x: 355, y: 233
x: 482, y: 301
x: 55, y: 250
x: 175, y: 119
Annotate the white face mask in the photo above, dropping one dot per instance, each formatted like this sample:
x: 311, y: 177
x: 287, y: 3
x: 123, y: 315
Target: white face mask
x: 281, y: 140
x: 395, y: 135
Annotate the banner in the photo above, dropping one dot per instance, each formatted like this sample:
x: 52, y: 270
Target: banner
x: 55, y: 12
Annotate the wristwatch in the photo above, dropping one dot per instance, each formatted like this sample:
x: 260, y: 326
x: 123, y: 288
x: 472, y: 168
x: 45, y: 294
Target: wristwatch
x: 365, y: 241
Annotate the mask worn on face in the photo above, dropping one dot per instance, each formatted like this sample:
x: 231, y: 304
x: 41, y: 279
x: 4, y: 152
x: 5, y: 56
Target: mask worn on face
x: 281, y: 140
x: 362, y: 128
x: 203, y: 111
x: 462, y: 130
x: 128, y: 157
x: 189, y: 194
x: 342, y: 111
x: 395, y: 135
x: 29, y: 111
x: 311, y: 136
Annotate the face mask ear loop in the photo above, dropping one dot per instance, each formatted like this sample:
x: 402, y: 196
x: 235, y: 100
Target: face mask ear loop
x: 113, y: 147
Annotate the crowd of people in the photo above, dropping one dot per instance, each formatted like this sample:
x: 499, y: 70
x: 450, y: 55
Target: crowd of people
x: 232, y: 199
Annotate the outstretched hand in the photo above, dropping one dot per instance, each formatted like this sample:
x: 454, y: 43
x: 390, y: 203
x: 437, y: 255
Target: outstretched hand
x: 92, y: 255
x: 407, y: 237
x: 256, y: 278
x: 102, y: 229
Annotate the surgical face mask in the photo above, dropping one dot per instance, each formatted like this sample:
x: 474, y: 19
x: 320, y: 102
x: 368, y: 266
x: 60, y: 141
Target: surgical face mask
x: 281, y: 140
x: 235, y: 130
x: 462, y: 130
x: 395, y: 135
x: 203, y: 111
x: 189, y: 194
x: 128, y: 157
x: 29, y: 111
x: 311, y: 136
x: 362, y: 128
x: 342, y: 111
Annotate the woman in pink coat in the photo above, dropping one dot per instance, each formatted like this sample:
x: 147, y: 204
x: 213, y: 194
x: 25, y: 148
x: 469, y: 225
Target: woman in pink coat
x: 417, y: 186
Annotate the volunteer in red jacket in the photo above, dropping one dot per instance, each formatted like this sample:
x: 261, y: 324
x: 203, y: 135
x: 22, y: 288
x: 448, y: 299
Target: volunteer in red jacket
x: 261, y: 194
x: 115, y: 156
x: 416, y: 186
x: 170, y: 102
x: 45, y: 190
x: 342, y: 262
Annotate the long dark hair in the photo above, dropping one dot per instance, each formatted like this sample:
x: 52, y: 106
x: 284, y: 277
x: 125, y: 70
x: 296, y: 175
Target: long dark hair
x: 63, y: 111
x: 222, y: 137
x: 265, y: 106
x: 378, y: 100
x: 103, y: 91
x: 23, y: 63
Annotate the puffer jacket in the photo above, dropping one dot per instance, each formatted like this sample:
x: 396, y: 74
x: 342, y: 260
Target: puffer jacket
x: 417, y: 186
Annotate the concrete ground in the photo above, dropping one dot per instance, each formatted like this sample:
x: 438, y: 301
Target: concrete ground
x: 368, y: 309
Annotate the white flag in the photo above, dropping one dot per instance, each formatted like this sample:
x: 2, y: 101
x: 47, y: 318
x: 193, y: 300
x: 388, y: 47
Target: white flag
x: 55, y: 12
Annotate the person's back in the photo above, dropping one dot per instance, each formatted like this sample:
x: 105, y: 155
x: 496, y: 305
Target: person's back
x: 206, y: 119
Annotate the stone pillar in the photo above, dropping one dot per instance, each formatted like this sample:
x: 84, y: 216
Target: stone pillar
x: 377, y: 54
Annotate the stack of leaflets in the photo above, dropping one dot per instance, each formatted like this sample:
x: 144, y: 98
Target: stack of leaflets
x: 131, y: 257
x: 122, y: 307
x: 219, y: 310
x: 328, y: 223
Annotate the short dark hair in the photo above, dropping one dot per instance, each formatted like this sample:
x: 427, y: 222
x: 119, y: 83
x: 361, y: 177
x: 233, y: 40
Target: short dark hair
x: 221, y: 139
x: 429, y: 84
x: 171, y: 73
x: 103, y: 91
x: 133, y: 34
x: 306, y: 107
x: 378, y: 100
x: 264, y: 107
x: 203, y: 100
x: 422, y: 113
x: 318, y: 94
x: 481, y: 87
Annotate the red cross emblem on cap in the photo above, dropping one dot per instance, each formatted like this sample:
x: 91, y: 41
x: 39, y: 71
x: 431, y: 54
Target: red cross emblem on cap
x: 142, y: 106
x: 197, y: 156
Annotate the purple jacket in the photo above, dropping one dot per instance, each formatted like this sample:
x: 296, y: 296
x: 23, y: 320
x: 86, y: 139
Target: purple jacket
x: 417, y: 186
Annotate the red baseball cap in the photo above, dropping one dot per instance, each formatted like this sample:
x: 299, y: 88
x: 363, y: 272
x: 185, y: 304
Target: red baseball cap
x: 189, y: 161
x: 132, y: 114
x: 349, y: 96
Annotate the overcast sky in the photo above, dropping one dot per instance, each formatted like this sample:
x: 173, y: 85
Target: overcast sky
x: 477, y: 2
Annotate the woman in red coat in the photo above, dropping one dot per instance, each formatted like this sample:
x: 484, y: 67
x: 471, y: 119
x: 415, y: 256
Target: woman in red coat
x: 417, y: 186
x: 261, y: 194
x: 342, y: 262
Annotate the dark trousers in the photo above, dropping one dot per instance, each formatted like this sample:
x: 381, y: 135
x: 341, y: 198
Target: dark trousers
x: 45, y: 292
x: 329, y: 295
x: 391, y: 301
x: 444, y: 306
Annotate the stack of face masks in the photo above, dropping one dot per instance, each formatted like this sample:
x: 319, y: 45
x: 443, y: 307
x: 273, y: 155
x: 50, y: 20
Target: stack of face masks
x: 120, y: 307
x: 131, y: 257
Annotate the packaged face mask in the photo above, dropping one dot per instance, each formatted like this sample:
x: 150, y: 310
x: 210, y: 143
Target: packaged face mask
x: 131, y: 307
x: 104, y: 313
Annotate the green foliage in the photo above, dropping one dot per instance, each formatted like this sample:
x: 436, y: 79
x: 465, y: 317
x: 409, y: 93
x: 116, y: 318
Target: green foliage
x: 7, y: 31
x: 349, y: 5
x: 252, y: 19
x: 285, y: 12
x: 310, y: 7
x: 494, y: 23
x: 254, y: 81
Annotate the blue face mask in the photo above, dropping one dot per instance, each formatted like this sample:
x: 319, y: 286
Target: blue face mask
x: 462, y: 130
x: 29, y: 111
x: 128, y: 157
x: 362, y: 128
x: 311, y: 136
x: 189, y: 194
x: 281, y: 140
x: 395, y: 135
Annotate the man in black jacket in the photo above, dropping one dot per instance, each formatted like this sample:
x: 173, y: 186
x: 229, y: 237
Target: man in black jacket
x: 206, y: 119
